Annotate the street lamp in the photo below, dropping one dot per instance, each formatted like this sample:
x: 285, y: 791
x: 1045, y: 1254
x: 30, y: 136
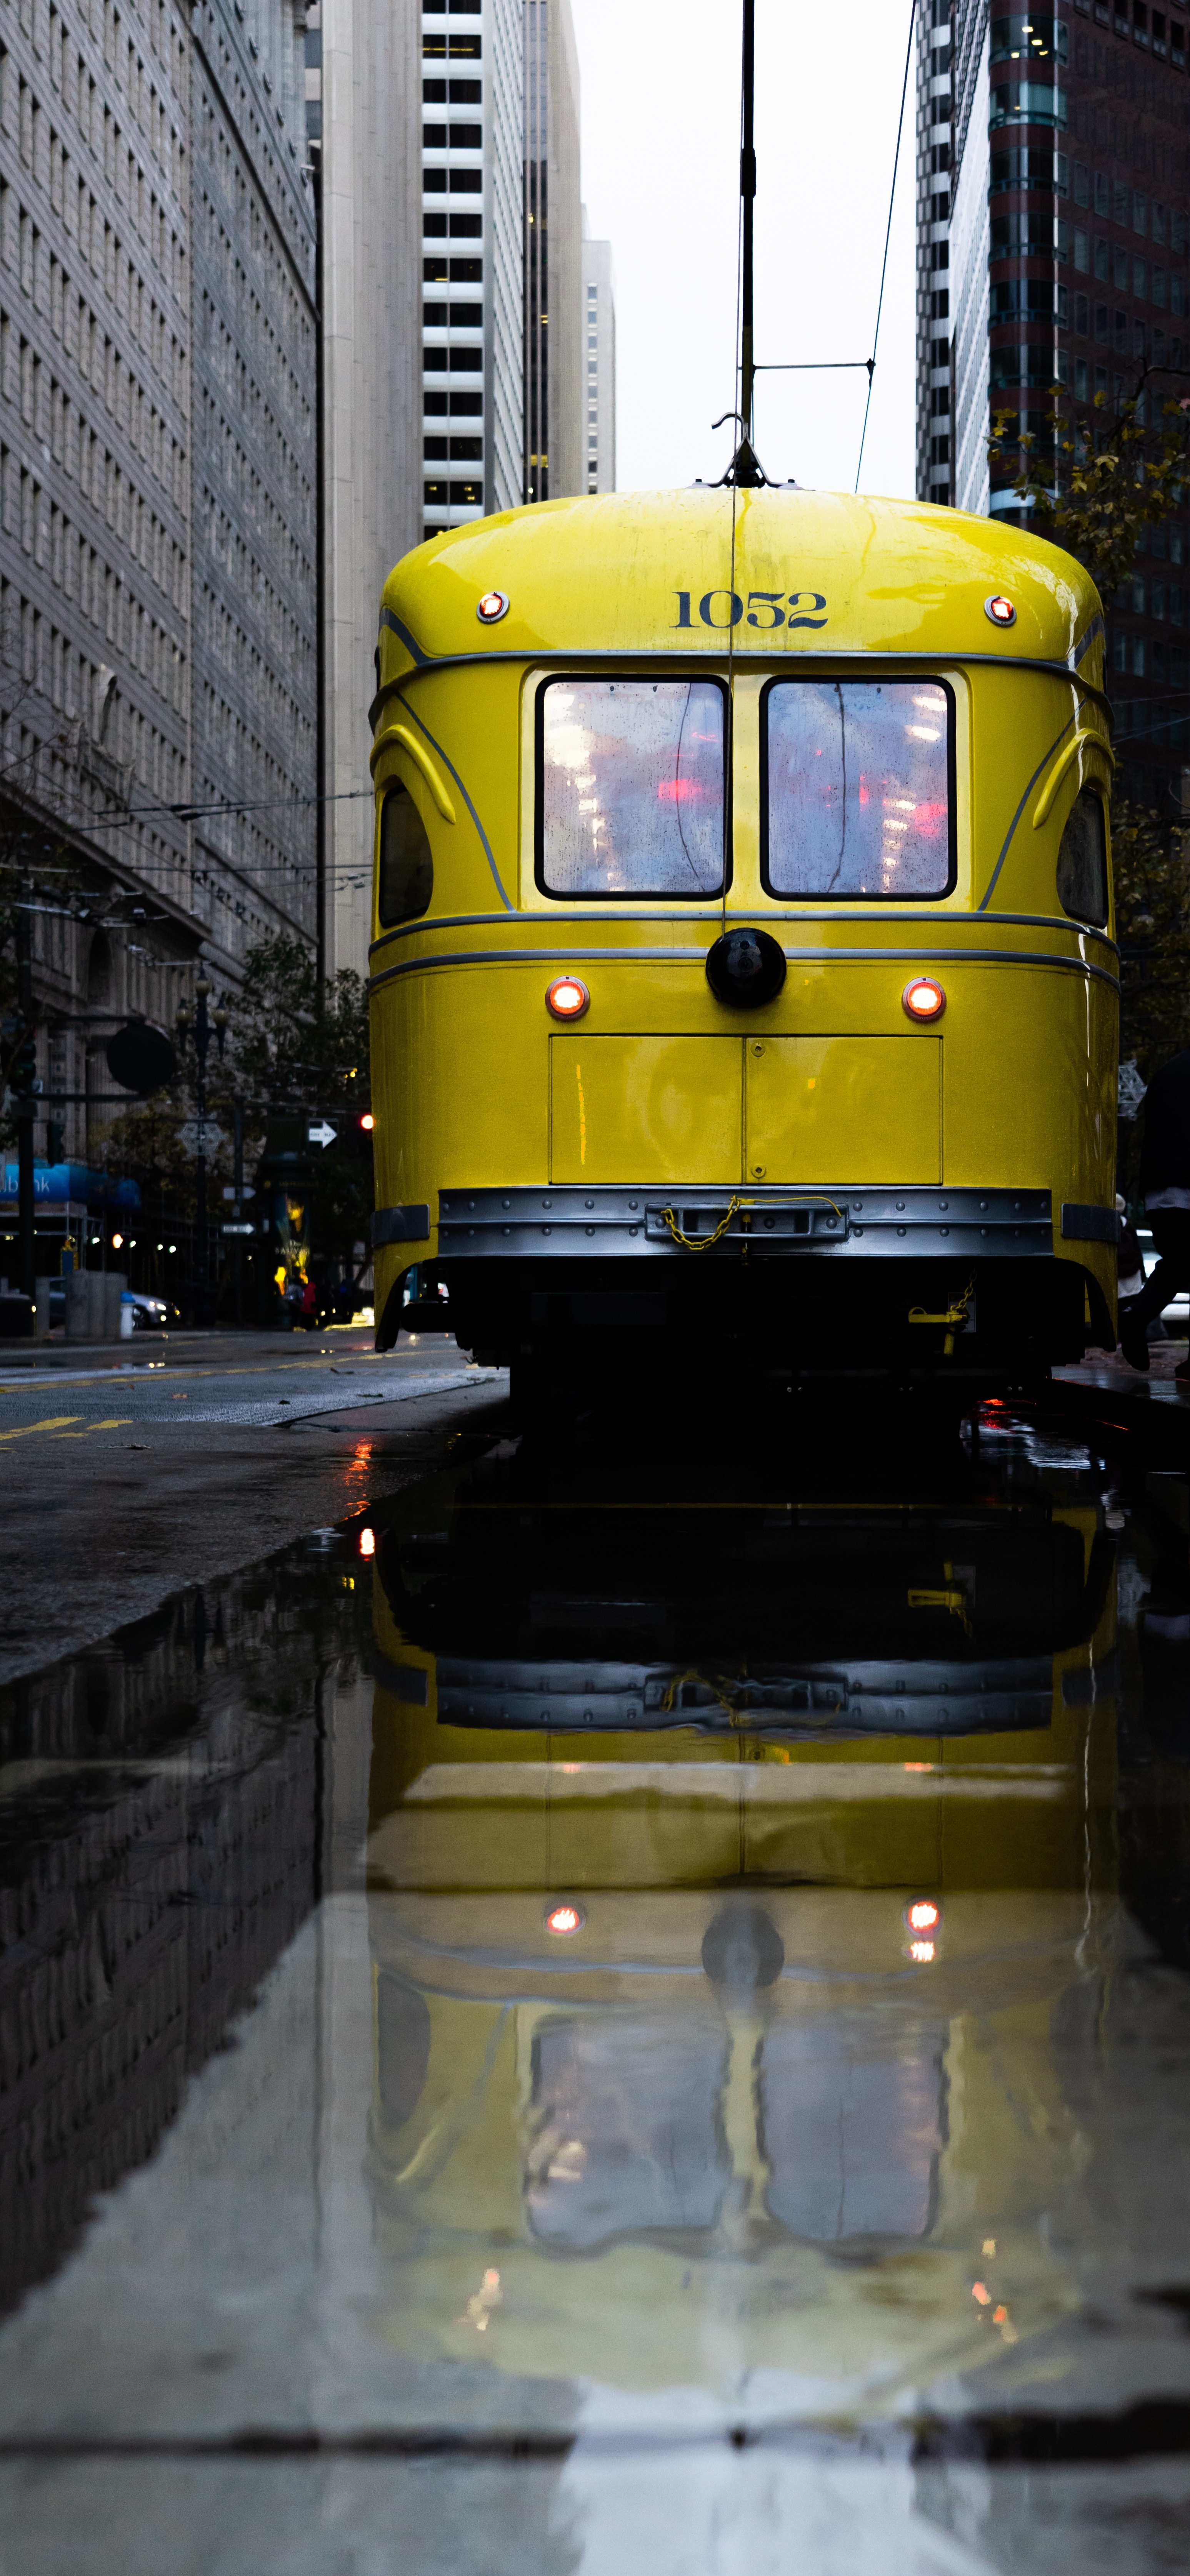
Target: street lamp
x: 195, y: 1023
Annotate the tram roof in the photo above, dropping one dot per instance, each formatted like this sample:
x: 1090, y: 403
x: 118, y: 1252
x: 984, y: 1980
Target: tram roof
x: 651, y: 572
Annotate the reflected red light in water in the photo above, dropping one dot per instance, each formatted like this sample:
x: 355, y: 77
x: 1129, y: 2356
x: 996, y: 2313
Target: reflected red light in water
x: 367, y: 1542
x: 565, y: 1918
x: 922, y: 1952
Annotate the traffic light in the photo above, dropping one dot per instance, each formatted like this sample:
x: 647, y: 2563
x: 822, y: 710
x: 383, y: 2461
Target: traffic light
x: 22, y: 1064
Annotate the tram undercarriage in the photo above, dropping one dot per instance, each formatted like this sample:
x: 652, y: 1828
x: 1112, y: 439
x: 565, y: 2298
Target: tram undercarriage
x: 975, y: 1325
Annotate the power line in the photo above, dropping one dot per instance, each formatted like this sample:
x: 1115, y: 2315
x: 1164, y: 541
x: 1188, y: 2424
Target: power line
x: 887, y: 238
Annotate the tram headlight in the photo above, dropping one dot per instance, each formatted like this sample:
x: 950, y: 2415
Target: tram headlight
x: 492, y: 607
x: 923, y: 1915
x: 567, y: 997
x: 564, y: 1919
x: 923, y: 999
x: 1000, y: 610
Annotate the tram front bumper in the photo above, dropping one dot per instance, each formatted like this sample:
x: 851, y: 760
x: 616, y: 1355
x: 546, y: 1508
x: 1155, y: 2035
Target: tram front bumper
x: 654, y: 1224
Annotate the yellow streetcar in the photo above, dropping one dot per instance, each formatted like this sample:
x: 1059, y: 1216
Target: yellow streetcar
x: 743, y: 957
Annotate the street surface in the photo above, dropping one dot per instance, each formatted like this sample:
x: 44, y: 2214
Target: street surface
x: 619, y: 2004
x: 129, y: 1471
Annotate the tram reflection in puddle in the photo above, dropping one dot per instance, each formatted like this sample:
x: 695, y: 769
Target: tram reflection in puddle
x: 728, y: 1861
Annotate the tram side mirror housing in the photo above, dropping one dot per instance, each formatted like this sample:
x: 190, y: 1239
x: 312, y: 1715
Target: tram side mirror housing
x: 745, y: 969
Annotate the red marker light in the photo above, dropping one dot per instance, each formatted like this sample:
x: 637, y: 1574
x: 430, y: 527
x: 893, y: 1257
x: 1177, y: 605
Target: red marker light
x: 367, y: 1122
x: 567, y: 997
x: 923, y: 999
x: 565, y: 1918
x: 367, y: 1542
x: 1000, y: 610
x: 923, y: 1915
x: 492, y: 607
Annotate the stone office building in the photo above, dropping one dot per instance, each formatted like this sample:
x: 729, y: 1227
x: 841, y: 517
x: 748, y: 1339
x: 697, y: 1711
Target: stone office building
x: 157, y: 505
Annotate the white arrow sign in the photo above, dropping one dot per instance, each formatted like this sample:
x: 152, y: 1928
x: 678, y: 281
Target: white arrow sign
x: 324, y: 1135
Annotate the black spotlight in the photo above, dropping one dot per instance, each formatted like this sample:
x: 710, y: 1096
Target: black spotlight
x: 746, y: 968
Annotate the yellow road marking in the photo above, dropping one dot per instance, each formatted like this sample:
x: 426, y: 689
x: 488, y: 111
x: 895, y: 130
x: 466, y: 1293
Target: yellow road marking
x: 123, y: 1424
x: 53, y: 1422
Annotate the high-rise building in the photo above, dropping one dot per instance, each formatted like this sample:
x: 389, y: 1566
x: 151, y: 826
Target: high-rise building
x: 157, y: 481
x: 555, y: 449
x: 471, y: 267
x: 1053, y: 184
x: 599, y: 335
x: 363, y: 126
x: 254, y: 485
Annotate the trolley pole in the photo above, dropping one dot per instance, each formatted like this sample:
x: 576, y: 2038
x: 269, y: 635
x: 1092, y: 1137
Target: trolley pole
x: 747, y: 199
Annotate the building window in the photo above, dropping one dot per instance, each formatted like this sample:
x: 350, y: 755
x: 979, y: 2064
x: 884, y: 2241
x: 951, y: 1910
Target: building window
x: 466, y: 138
x: 1081, y: 387
x: 465, y: 227
x: 1140, y: 280
x: 1081, y: 316
x: 434, y: 450
x: 1082, y: 252
x: 1120, y: 652
x: 1138, y: 657
x: 1157, y: 283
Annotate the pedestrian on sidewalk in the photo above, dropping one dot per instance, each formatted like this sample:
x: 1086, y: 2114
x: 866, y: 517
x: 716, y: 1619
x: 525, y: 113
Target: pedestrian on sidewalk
x: 1165, y: 1183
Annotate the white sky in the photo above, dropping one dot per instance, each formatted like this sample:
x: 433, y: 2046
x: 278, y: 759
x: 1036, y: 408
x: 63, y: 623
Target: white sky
x: 660, y: 128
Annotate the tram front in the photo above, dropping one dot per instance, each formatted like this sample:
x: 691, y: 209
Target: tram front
x: 743, y: 959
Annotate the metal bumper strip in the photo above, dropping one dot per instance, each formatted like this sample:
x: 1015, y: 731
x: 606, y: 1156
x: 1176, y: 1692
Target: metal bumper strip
x: 544, y: 1224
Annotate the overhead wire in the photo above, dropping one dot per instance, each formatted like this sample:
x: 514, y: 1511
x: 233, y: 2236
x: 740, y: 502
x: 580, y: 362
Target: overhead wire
x: 871, y: 363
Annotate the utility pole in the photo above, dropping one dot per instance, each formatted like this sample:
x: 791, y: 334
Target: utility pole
x: 238, y: 1204
x: 26, y: 1089
x: 197, y: 1022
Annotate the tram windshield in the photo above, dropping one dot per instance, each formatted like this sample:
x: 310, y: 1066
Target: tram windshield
x: 631, y: 787
x: 858, y: 788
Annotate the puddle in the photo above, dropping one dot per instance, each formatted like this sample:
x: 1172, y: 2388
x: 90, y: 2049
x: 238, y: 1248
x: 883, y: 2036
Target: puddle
x: 620, y: 1954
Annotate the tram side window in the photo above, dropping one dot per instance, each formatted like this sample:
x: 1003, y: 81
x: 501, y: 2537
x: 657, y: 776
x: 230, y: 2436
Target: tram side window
x: 1082, y: 860
x: 631, y: 786
x: 406, y: 866
x: 858, y: 800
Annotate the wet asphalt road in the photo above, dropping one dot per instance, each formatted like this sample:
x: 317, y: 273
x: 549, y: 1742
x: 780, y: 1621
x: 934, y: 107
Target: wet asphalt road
x: 627, y: 2008
x: 128, y: 1473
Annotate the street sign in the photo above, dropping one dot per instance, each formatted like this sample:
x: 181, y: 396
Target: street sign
x: 237, y: 1229
x: 201, y: 1136
x: 323, y: 1135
